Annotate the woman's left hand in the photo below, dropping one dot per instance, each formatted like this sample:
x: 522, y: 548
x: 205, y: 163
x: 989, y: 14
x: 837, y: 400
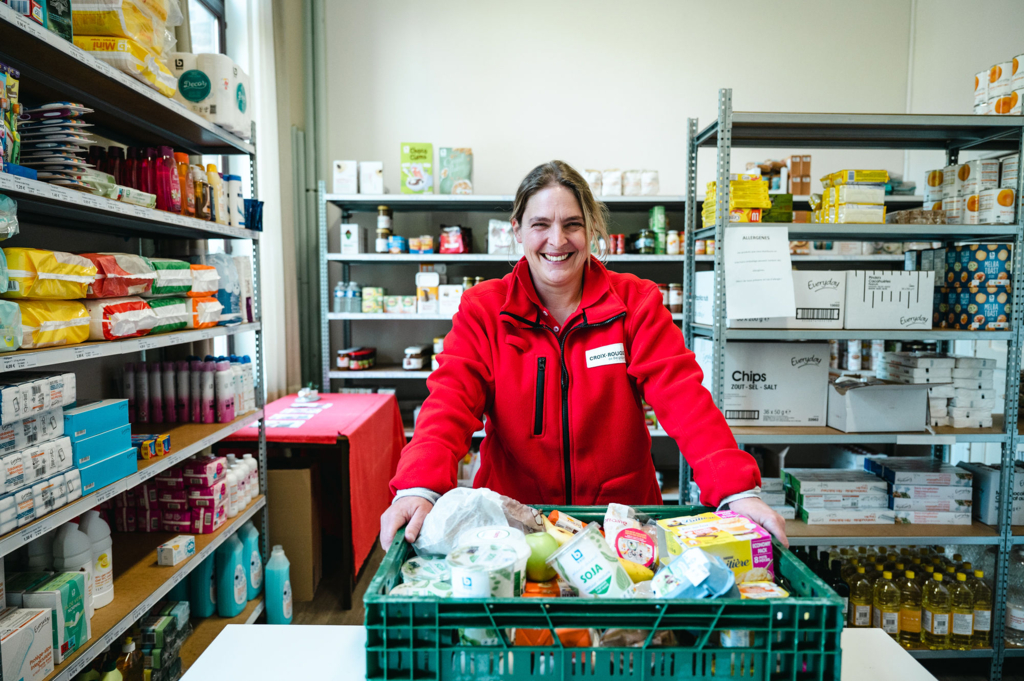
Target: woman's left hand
x: 762, y: 514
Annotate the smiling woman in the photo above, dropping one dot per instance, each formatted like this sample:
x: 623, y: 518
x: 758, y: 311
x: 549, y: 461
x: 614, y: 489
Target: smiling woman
x: 559, y: 356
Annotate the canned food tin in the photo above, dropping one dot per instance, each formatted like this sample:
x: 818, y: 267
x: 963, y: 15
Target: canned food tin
x: 999, y: 79
x: 1008, y: 176
x: 981, y: 88
x: 996, y: 207
x: 1017, y: 73
x: 397, y: 244
x: 1006, y: 104
x: 954, y: 207
x: 970, y: 210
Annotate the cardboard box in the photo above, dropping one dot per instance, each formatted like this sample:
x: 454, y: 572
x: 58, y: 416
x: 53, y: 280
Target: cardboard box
x: 934, y: 493
x: 919, y: 470
x: 931, y: 505
x: 371, y: 177
x: 427, y: 284
x: 985, y: 308
x: 64, y: 595
x: 820, y: 297
x: 849, y: 517
x: 876, y: 406
x: 985, y: 493
x: 102, y: 446
x: 787, y: 512
x: 294, y: 517
x: 771, y: 384
x: 880, y: 299
x: 930, y: 518
x: 346, y: 177
x: 353, y: 239
x: 842, y: 502
x: 832, y: 481
x: 979, y: 265
x: 26, y: 643
x: 99, y: 474
x: 31, y: 431
x: 772, y: 485
x: 742, y: 544
x: 176, y: 550
x: 92, y: 418
x: 448, y: 298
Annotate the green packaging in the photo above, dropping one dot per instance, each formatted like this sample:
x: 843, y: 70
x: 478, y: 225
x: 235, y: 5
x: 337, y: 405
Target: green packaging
x: 657, y: 220
x: 171, y: 313
x: 417, y: 173
x: 58, y: 18
x: 456, y: 166
x: 64, y: 595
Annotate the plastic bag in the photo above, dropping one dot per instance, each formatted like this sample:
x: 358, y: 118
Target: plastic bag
x: 119, y: 275
x: 37, y: 273
x: 524, y: 518
x: 120, y: 19
x: 173, y: 277
x: 455, y: 512
x: 172, y: 314
x: 229, y: 289
x: 10, y: 326
x: 205, y: 281
x: 243, y: 264
x: 8, y: 217
x: 694, y: 574
x: 128, y: 56
x: 205, y: 313
x: 117, y: 318
x: 53, y: 322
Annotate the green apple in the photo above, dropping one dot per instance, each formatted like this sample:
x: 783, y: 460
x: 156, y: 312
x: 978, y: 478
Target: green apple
x: 542, y: 545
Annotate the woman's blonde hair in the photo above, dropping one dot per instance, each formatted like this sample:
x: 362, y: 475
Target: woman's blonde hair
x: 595, y: 218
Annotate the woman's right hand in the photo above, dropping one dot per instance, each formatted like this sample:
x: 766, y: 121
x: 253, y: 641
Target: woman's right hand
x: 410, y: 511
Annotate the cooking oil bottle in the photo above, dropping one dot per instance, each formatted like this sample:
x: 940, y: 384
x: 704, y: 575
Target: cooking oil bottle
x: 961, y: 602
x: 861, y: 599
x: 935, y: 613
x: 982, y: 612
x: 849, y: 571
x: 910, y: 611
x: 875, y: 573
x: 925, y: 576
x: 886, y: 603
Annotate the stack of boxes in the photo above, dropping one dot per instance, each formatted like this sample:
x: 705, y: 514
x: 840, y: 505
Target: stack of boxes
x: 837, y: 497
x: 961, y: 392
x: 773, y: 493
x: 748, y: 196
x: 191, y: 498
x: 973, y: 285
x: 799, y: 174
x: 35, y: 454
x: 853, y: 196
x: 985, y: 494
x: 923, y: 491
x: 101, y: 442
x: 781, y: 209
x: 979, y: 192
x: 163, y: 633
x: 920, y: 368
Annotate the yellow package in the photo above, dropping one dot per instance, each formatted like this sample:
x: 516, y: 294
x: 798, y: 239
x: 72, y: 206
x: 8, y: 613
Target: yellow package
x: 36, y: 273
x: 126, y: 55
x: 119, y: 19
x: 859, y: 193
x: 850, y: 176
x: 53, y: 322
x: 859, y: 213
x: 744, y: 545
x: 815, y: 200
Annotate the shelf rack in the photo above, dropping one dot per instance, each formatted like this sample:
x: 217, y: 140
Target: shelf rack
x: 129, y: 112
x: 952, y: 134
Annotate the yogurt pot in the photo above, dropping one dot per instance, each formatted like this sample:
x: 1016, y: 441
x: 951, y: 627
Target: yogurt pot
x: 427, y: 568
x: 506, y: 536
x: 483, y: 571
x: 423, y: 587
x: 590, y: 565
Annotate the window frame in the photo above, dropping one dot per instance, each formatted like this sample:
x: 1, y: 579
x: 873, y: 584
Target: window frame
x: 216, y: 8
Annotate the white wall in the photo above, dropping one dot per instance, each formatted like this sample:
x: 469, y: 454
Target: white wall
x: 600, y: 84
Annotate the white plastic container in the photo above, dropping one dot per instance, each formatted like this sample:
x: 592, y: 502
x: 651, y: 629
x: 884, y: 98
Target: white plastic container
x: 232, y: 483
x: 254, y: 478
x: 98, y: 532
x: 225, y: 393
x: 72, y: 552
x: 236, y: 204
x: 243, y: 485
x: 504, y: 536
x: 40, y: 553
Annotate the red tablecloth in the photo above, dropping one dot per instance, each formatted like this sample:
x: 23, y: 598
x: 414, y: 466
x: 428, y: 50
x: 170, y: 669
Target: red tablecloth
x: 373, y: 426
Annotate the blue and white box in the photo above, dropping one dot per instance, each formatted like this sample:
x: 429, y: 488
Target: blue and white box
x: 102, y: 446
x: 92, y: 418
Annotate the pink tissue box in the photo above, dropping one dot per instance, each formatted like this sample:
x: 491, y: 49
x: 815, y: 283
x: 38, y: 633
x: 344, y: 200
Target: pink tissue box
x: 175, y: 526
x: 179, y: 495
x: 145, y: 495
x: 205, y: 472
x: 147, y: 519
x: 124, y: 519
x: 207, y: 520
x: 170, y: 483
x: 175, y: 505
x: 175, y: 516
x: 214, y: 495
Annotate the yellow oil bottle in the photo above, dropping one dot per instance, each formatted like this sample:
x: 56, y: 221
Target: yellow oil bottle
x: 886, y: 604
x: 910, y: 611
x: 861, y: 599
x: 925, y: 576
x: 961, y: 601
x: 982, y: 612
x: 935, y: 613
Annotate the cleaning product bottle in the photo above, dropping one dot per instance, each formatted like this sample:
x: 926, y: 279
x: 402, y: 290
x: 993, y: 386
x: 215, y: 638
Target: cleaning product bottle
x: 961, y: 602
x: 40, y: 553
x: 982, y: 612
x: 254, y: 561
x: 179, y: 592
x: 231, y: 582
x: 886, y: 604
x: 110, y: 672
x: 254, y: 475
x: 223, y: 210
x: 243, y: 485
x: 279, y: 588
x: 935, y: 614
x: 910, y: 611
x: 250, y: 491
x: 181, y: 378
x: 98, y: 531
x: 170, y: 394
x: 130, y: 661
x: 72, y: 552
x: 131, y: 168
x: 862, y: 597
x: 206, y: 408
x: 225, y: 392
x: 202, y: 192
x: 115, y: 164
x: 195, y: 390
x: 186, y: 186
x: 141, y: 392
x: 217, y: 211
x: 202, y: 601
x: 129, y: 389
x: 231, y: 480
x: 165, y: 176
x: 237, y: 381
x: 156, y: 393
x: 145, y: 170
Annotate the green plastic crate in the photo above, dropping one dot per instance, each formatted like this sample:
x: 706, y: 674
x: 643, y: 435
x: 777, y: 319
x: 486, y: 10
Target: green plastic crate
x: 416, y: 637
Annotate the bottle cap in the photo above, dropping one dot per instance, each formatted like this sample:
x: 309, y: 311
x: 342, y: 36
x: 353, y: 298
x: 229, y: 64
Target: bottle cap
x: 929, y: 568
x: 180, y: 157
x: 937, y: 576
x: 128, y: 646
x: 910, y: 574
x: 879, y: 566
x: 166, y: 151
x: 961, y: 577
x: 887, y: 575
x: 979, y: 573
x: 211, y: 168
x: 860, y: 569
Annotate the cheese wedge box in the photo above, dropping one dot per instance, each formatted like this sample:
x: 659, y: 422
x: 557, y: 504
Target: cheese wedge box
x: 744, y: 545
x: 847, y: 517
x: 933, y: 493
x: 830, y: 481
x: 841, y: 502
x: 770, y: 384
x: 772, y: 485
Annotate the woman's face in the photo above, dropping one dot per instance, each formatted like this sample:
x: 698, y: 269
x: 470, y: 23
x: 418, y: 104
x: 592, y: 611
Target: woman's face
x: 554, y: 237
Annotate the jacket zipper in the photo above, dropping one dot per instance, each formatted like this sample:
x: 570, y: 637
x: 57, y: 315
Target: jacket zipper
x: 566, y: 458
x: 538, y: 406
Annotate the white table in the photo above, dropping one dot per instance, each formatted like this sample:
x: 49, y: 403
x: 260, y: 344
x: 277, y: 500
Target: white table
x: 336, y: 653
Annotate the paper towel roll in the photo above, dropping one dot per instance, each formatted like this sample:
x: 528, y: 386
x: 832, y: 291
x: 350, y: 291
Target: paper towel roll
x: 194, y: 86
x: 221, y: 71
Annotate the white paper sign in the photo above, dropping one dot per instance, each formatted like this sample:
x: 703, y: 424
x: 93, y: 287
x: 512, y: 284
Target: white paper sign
x: 758, y: 273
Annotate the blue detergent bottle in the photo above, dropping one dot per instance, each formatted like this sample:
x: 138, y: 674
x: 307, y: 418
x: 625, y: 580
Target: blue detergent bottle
x: 251, y: 559
x: 180, y: 592
x: 232, y: 586
x: 202, y: 590
x: 279, y: 588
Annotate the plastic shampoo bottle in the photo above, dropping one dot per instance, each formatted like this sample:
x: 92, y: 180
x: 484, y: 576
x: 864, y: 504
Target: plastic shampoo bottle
x: 279, y: 588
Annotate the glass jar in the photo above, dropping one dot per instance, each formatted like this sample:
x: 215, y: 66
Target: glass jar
x: 645, y: 243
x: 383, y: 237
x: 416, y: 357
x: 477, y: 281
x: 672, y: 246
x: 383, y: 217
x: 709, y: 247
x: 467, y: 283
x: 664, y: 294
x: 700, y: 247
x: 439, y: 345
x: 675, y: 298
x: 362, y: 358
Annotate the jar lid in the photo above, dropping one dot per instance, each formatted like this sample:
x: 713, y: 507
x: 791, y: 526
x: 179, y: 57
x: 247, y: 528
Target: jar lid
x: 417, y: 349
x: 383, y: 208
x: 364, y: 352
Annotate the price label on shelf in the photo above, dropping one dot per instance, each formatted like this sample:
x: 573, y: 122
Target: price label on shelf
x: 147, y: 473
x: 28, y: 187
x: 18, y: 362
x: 106, y: 494
x: 6, y: 181
x: 92, y: 201
x: 148, y: 343
x: 36, y: 531
x: 77, y: 667
x: 205, y: 334
x: 88, y: 352
x: 141, y: 213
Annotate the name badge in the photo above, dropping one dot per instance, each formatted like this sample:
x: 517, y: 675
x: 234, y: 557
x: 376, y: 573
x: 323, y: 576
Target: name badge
x: 606, y: 354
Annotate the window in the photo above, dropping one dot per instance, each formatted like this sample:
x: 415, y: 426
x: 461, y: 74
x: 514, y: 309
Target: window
x: 206, y: 23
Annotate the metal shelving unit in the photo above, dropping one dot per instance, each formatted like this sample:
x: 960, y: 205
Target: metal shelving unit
x: 126, y: 111
x: 869, y: 131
